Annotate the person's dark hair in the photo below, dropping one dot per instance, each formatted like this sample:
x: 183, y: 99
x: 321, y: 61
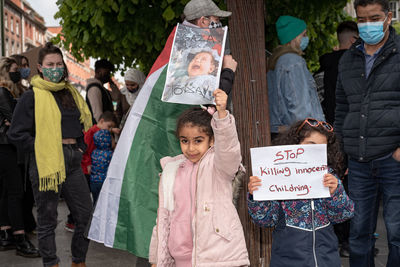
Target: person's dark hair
x: 109, y: 116
x: 383, y: 3
x: 103, y: 64
x: 334, y: 152
x: 346, y: 30
x: 19, y: 58
x: 195, y: 117
x: 50, y: 48
x: 347, y: 26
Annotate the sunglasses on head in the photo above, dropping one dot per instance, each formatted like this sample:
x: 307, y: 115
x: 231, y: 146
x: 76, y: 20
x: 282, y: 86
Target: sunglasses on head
x: 315, y: 123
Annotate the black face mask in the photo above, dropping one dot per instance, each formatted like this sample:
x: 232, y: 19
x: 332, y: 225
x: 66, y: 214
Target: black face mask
x: 134, y: 90
x: 15, y: 76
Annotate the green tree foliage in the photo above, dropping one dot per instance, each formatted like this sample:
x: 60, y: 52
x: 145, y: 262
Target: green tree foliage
x: 321, y: 16
x: 127, y: 30
x: 119, y: 30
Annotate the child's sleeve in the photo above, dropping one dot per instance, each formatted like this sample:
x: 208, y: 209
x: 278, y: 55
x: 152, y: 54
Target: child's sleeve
x: 153, y: 246
x: 263, y: 213
x: 339, y: 207
x: 226, y: 144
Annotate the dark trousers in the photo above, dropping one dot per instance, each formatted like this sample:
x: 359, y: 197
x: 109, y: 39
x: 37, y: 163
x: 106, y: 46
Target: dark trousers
x: 29, y: 219
x: 77, y: 196
x: 12, y: 189
x: 95, y: 188
x: 367, y: 182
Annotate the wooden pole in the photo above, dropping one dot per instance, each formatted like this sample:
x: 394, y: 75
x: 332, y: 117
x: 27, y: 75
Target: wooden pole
x: 250, y: 106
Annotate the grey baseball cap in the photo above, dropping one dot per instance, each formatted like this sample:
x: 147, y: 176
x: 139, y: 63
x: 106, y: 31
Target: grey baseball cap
x: 198, y: 8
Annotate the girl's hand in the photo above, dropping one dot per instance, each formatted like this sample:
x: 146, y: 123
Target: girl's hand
x: 153, y: 265
x: 254, y: 184
x: 221, y: 99
x: 331, y: 182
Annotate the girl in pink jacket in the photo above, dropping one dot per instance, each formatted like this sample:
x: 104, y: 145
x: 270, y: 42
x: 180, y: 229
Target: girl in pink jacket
x: 197, y: 223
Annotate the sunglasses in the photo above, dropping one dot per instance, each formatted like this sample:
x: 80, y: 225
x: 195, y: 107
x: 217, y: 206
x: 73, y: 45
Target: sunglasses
x: 315, y: 123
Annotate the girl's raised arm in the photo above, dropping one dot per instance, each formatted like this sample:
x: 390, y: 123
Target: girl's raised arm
x: 226, y: 143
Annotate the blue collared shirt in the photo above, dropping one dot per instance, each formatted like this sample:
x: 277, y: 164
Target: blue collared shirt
x: 369, y: 60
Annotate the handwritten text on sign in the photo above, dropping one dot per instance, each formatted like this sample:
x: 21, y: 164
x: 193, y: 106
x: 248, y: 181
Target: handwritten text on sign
x: 290, y: 172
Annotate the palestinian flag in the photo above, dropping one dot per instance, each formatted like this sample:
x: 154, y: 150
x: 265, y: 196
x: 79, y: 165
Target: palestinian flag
x: 126, y: 210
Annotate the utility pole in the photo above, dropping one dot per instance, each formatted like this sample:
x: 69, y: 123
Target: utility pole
x: 250, y: 107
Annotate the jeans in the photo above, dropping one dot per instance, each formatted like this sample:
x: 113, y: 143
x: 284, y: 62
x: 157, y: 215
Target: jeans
x: 77, y: 196
x: 367, y: 181
x: 95, y: 188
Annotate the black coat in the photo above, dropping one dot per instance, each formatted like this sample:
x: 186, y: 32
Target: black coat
x: 7, y: 105
x: 367, y: 113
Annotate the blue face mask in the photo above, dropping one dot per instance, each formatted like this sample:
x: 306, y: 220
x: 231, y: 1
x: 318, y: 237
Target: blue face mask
x: 25, y: 72
x: 304, y: 43
x: 371, y: 32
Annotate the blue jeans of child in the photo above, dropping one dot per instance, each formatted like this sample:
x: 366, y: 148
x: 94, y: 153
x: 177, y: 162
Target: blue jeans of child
x: 95, y: 188
x: 368, y: 180
x: 77, y: 196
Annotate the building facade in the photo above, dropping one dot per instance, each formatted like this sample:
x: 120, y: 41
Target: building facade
x: 24, y: 28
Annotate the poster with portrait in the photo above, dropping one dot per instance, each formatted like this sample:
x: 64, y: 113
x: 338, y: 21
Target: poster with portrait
x: 195, y: 65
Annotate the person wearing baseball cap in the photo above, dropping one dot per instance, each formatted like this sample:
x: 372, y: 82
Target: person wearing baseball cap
x: 292, y: 90
x: 206, y: 14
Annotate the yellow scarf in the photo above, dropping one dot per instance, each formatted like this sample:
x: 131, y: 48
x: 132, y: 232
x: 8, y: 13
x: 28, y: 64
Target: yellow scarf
x: 48, y: 139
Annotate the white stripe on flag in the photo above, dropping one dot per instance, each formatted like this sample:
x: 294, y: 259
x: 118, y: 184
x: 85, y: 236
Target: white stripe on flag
x: 105, y: 216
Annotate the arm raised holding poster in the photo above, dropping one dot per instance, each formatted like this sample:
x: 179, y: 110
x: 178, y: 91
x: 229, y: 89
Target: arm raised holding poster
x: 296, y: 203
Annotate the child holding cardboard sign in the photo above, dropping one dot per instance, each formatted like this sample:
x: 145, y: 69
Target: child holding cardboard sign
x: 303, y: 234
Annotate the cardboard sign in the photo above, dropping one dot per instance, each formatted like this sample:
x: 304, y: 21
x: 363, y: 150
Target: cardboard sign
x: 195, y: 65
x: 290, y: 172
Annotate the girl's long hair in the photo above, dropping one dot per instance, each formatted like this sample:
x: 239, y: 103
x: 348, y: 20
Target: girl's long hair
x: 5, y: 81
x: 334, y: 151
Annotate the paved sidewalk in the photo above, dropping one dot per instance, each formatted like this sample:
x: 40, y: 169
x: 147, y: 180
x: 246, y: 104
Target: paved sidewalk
x: 99, y: 255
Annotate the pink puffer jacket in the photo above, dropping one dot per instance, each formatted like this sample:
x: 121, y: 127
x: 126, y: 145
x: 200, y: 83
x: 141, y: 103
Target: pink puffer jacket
x: 218, y: 238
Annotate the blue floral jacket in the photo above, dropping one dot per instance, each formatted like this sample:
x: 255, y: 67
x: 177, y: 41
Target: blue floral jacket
x: 101, y: 156
x: 303, y: 234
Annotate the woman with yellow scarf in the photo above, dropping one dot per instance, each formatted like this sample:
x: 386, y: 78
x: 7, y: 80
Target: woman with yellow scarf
x: 48, y: 123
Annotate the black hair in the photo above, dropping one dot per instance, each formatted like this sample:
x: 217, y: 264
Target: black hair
x: 347, y: 26
x: 103, y: 64
x: 50, y: 48
x: 109, y: 116
x: 346, y: 30
x: 195, y: 117
x: 18, y: 58
x: 383, y: 3
x: 293, y: 137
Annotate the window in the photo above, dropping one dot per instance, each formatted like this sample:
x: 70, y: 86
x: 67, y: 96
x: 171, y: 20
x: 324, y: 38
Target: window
x: 12, y: 48
x: 394, y: 8
x: 12, y: 24
x: 17, y: 27
x: 7, y: 52
x: 6, y: 20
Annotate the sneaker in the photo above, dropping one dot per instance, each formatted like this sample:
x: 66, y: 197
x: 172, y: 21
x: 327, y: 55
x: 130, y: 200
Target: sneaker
x: 24, y: 247
x: 6, y: 240
x: 344, y: 250
x: 70, y: 227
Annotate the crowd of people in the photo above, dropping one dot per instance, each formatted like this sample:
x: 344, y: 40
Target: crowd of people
x: 55, y: 143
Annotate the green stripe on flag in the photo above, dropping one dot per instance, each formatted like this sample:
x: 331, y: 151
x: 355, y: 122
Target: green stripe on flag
x: 154, y: 139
